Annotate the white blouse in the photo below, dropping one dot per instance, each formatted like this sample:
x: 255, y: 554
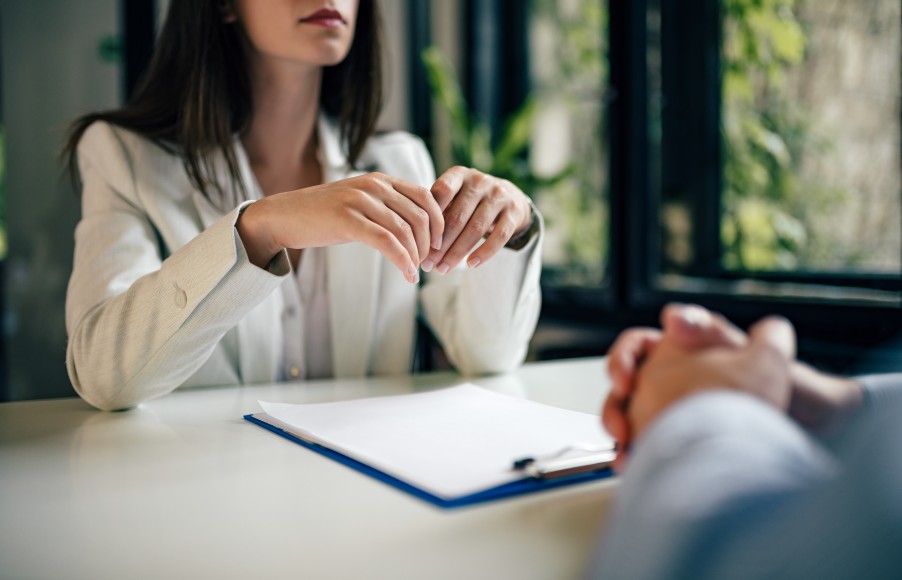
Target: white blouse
x: 162, y: 295
x: 305, y: 320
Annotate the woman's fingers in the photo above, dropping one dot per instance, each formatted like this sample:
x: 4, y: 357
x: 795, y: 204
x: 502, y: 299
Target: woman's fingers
x: 502, y: 232
x: 411, y: 223
x: 448, y: 185
x: 406, y: 211
x: 368, y: 207
x: 386, y: 242
x: 423, y: 212
x: 418, y: 215
x: 457, y: 217
x: 435, y: 228
x: 476, y: 207
x: 464, y: 238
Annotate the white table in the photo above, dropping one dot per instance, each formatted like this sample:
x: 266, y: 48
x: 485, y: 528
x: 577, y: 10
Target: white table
x: 183, y: 487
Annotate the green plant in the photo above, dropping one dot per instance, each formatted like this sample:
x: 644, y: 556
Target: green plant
x: 765, y: 134
x: 472, y: 138
x: 568, y: 76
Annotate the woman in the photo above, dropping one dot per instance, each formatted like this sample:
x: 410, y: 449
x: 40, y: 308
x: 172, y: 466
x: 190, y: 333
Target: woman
x: 219, y: 203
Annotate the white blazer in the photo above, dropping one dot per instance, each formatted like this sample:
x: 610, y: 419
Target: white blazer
x: 162, y: 294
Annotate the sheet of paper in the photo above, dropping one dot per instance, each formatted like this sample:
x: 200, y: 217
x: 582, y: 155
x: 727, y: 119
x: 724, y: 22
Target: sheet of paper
x: 450, y: 442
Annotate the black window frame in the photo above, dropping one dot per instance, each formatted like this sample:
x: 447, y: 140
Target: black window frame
x: 138, y: 23
x: 834, y: 332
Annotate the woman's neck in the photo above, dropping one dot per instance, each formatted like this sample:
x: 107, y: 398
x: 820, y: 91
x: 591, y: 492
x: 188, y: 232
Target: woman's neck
x: 281, y: 139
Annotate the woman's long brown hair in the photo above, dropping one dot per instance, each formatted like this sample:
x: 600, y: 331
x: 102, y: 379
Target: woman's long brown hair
x: 196, y: 93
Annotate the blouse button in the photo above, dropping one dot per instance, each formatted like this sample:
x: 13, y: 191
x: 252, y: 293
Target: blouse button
x: 294, y: 372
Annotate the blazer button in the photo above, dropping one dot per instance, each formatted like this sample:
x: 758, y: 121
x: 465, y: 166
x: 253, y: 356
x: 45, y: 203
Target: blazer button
x: 181, y: 298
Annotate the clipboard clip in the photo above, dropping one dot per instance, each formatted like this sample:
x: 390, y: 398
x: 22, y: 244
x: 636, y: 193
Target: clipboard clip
x: 568, y: 461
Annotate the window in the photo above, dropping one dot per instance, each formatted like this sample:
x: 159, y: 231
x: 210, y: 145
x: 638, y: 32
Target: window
x: 810, y: 119
x: 569, y: 78
x: 801, y: 182
x: 542, y: 65
x: 774, y: 160
x: 742, y: 154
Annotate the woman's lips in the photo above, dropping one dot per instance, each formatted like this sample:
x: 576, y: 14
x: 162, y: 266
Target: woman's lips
x: 325, y: 17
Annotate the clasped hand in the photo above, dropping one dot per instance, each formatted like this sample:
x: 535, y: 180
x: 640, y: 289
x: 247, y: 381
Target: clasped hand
x: 651, y: 369
x: 410, y: 225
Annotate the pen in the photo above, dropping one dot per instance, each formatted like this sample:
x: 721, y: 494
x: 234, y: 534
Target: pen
x: 593, y: 458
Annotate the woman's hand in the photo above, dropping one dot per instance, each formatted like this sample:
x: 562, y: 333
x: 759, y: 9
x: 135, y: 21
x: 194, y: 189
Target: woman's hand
x: 474, y: 205
x: 399, y: 219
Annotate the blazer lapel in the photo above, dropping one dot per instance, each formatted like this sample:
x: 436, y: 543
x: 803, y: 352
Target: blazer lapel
x: 259, y: 338
x: 207, y: 212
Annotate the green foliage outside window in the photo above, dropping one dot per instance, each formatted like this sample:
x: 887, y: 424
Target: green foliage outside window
x: 768, y: 204
x: 572, y: 197
x: 472, y: 139
x: 764, y: 132
x: 579, y: 78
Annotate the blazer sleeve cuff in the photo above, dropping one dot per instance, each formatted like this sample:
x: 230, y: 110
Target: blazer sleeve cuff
x: 531, y: 233
x: 278, y: 266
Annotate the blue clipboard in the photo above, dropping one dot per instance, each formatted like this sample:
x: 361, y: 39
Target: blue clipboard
x: 512, y: 489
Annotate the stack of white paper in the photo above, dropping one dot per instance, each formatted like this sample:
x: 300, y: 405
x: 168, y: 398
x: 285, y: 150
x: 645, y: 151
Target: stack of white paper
x: 451, y: 442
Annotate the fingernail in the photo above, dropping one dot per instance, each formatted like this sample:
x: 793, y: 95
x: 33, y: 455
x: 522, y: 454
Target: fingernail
x: 411, y: 270
x: 695, y: 317
x: 473, y: 261
x: 427, y: 265
x: 415, y: 279
x: 437, y: 243
x: 443, y: 268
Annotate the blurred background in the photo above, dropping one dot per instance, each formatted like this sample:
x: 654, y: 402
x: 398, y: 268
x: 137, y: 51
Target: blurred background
x: 741, y: 154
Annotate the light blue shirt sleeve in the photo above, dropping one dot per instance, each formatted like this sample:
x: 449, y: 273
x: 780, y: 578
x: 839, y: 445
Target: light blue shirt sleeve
x: 725, y: 486
x: 711, y: 467
x: 881, y: 390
